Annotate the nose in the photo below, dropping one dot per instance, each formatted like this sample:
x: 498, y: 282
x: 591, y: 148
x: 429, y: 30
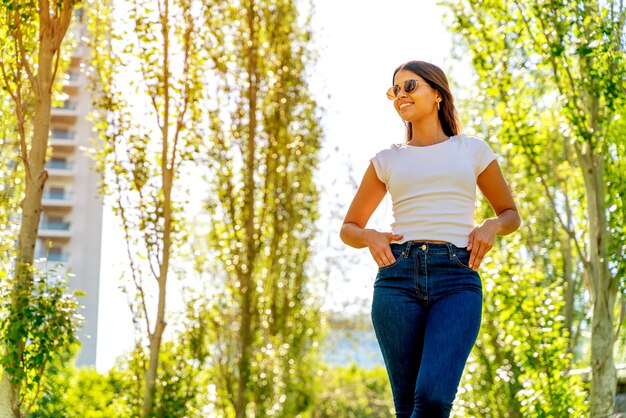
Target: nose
x: 401, y: 93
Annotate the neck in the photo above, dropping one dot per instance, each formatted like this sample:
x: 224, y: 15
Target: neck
x: 426, y: 135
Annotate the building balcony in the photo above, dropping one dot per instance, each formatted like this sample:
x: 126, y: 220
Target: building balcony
x: 55, y: 199
x: 53, y: 257
x: 66, y: 112
x: 59, y: 168
x: 71, y: 85
x: 54, y: 229
x: 62, y: 139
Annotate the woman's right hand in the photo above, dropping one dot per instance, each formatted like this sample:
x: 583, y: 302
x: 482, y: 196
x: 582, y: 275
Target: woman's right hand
x: 378, y: 244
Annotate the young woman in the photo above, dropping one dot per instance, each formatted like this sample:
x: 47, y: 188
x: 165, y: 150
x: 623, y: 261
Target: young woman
x: 427, y: 301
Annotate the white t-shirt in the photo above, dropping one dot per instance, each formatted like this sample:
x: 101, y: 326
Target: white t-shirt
x: 433, y: 188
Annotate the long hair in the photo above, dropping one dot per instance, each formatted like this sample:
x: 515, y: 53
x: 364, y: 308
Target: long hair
x: 436, y: 78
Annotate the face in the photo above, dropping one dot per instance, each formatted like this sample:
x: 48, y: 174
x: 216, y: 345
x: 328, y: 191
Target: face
x: 418, y: 104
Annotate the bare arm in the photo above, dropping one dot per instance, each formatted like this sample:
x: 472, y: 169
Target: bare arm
x: 369, y: 195
x: 493, y: 185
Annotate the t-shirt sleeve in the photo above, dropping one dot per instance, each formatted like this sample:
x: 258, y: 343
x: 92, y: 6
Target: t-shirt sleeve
x: 381, y: 166
x: 483, y: 155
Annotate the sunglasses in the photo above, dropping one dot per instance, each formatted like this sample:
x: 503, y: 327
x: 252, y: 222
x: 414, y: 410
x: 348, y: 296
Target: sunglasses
x: 409, y: 87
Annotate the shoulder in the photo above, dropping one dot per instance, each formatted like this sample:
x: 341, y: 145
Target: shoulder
x: 383, y: 160
x: 472, y: 141
x: 475, y: 144
x: 394, y: 147
x: 390, y: 150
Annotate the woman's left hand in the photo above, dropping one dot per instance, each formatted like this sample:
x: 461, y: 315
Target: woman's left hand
x: 481, y: 240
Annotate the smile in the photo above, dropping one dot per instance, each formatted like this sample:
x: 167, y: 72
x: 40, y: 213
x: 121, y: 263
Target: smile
x: 403, y: 105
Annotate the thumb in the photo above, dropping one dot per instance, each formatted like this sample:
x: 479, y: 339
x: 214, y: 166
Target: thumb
x: 394, y: 237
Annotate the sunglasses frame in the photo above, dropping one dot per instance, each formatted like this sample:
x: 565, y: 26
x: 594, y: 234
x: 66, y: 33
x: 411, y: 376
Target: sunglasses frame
x: 392, y: 93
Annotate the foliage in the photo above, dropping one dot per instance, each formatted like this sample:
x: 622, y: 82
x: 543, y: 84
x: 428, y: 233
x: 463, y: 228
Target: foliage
x: 262, y: 316
x: 555, y: 107
x: 157, y: 55
x: 520, y: 364
x: 142, y: 158
x: 46, y: 320
x: 72, y: 392
x: 77, y: 392
x: 352, y: 392
x: 38, y: 319
x: 262, y: 220
x: 10, y: 188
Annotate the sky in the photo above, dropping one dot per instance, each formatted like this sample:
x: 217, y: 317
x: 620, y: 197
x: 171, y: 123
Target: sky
x: 359, y: 45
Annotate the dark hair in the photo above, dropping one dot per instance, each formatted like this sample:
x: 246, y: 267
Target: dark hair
x: 436, y: 78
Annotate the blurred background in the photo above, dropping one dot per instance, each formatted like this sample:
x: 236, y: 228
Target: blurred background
x: 199, y: 158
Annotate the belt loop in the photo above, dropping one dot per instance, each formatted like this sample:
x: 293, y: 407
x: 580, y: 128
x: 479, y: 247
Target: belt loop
x: 407, y: 249
x: 450, y: 251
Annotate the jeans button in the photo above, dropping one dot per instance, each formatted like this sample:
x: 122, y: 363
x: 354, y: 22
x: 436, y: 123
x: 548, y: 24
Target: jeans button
x: 424, y: 247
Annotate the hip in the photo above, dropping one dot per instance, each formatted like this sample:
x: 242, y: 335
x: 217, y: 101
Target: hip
x: 429, y: 266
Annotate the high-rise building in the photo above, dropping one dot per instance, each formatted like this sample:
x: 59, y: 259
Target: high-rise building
x: 70, y: 231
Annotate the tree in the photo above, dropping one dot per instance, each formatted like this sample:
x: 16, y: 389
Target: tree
x: 560, y: 69
x: 32, y: 35
x: 520, y: 366
x: 522, y: 360
x: 263, y: 152
x: 152, y: 56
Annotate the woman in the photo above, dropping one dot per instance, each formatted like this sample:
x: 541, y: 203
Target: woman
x: 427, y: 301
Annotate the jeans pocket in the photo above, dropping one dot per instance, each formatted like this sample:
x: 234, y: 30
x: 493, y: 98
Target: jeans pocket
x: 398, y: 256
x: 462, y: 259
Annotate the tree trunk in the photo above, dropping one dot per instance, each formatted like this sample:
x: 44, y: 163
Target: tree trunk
x: 36, y: 176
x: 5, y: 396
x: 155, y: 349
x: 246, y: 272
x: 570, y: 290
x: 603, y: 380
x: 157, y: 336
x: 245, y: 337
x: 167, y: 179
x: 603, y: 287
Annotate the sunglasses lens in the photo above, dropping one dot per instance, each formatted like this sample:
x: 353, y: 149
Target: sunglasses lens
x: 409, y: 86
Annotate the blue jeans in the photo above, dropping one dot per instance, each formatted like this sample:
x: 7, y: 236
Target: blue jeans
x: 426, y: 313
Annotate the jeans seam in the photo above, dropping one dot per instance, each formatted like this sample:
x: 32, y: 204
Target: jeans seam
x: 416, y: 274
x: 426, y: 275
x: 456, y: 258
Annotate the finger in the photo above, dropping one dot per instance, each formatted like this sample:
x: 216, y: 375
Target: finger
x: 477, y: 263
x: 387, y: 256
x: 477, y: 256
x: 470, y: 244
x: 474, y: 254
x: 390, y: 258
x: 475, y: 260
x: 394, y: 237
x: 485, y: 248
x: 381, y: 260
x: 385, y: 263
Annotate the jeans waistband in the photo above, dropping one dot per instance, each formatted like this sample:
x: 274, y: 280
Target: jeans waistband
x: 428, y: 247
